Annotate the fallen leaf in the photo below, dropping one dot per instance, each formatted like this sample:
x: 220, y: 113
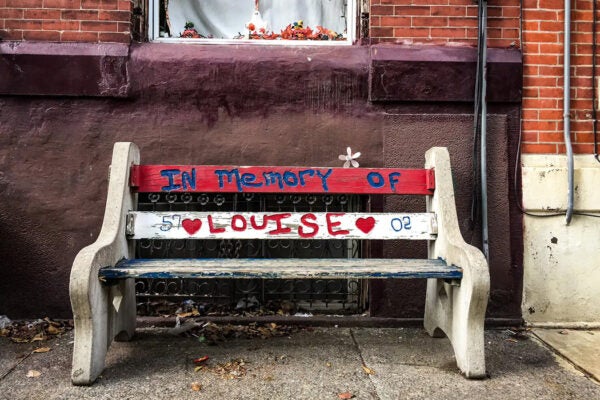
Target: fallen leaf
x: 42, y: 350
x: 368, y: 370
x: 564, y: 332
x: 32, y: 373
x: 52, y: 330
x: 48, y: 320
x: 38, y: 337
x: 185, y: 314
x: 200, y: 360
x: 328, y: 364
x: 345, y: 395
x: 199, y: 368
x: 196, y: 386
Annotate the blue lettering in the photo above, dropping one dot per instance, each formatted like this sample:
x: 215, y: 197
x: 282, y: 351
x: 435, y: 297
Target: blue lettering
x: 301, y: 174
x: 399, y: 224
x: 396, y: 224
x: 324, y: 178
x: 406, y: 222
x: 290, y: 179
x: 248, y: 179
x: 272, y: 178
x: 375, y: 180
x: 393, y: 178
x: 170, y: 174
x: 230, y: 175
x: 189, y: 180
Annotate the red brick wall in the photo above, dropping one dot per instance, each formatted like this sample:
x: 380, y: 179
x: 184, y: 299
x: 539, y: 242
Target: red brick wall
x: 543, y: 40
x: 443, y: 21
x: 66, y: 20
x: 439, y: 22
x: 455, y: 21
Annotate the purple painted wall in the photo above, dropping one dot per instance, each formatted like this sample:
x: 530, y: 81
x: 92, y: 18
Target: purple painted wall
x: 231, y: 105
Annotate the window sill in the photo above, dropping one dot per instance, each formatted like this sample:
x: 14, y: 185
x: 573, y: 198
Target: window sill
x: 255, y: 42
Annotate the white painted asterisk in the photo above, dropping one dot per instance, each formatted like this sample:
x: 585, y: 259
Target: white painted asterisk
x: 350, y: 159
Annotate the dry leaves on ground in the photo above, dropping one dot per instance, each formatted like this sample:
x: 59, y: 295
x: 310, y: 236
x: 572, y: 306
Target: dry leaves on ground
x: 233, y: 369
x: 212, y: 333
x: 35, y: 331
x: 248, y: 307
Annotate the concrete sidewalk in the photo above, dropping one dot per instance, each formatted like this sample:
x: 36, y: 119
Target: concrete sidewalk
x: 579, y: 347
x: 318, y: 363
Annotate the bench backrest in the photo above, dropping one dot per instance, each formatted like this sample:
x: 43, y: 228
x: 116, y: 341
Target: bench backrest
x: 231, y: 179
x: 280, y: 225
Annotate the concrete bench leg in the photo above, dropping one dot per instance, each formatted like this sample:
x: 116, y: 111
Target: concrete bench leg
x: 448, y: 312
x: 91, y: 339
x: 113, y: 315
x: 103, y: 313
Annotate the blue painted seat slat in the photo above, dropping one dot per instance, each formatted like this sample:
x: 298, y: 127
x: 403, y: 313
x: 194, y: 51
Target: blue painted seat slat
x: 281, y: 268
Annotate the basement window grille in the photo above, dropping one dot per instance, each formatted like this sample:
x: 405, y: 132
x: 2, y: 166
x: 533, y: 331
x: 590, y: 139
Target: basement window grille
x: 322, y: 295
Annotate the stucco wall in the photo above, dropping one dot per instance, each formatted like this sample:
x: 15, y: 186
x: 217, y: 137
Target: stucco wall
x: 561, y: 263
x: 225, y: 105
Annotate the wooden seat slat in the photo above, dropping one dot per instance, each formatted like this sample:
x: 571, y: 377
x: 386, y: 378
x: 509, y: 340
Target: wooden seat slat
x: 281, y: 268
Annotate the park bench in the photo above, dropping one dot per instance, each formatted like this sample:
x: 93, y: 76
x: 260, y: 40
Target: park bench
x: 102, y: 284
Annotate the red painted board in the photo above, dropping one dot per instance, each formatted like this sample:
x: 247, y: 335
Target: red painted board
x: 233, y: 179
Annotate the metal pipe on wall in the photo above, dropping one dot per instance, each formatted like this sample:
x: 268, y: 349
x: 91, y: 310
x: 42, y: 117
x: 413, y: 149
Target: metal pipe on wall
x: 594, y: 86
x: 566, y: 111
x: 484, y: 193
x: 479, y: 190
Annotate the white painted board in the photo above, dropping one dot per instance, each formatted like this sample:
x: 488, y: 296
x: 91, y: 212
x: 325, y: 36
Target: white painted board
x: 280, y: 225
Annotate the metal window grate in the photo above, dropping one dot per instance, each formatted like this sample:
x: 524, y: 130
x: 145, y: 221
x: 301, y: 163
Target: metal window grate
x: 335, y: 295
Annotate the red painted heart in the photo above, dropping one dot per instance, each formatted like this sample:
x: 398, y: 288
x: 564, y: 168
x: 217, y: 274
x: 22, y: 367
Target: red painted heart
x: 191, y: 226
x: 365, y: 224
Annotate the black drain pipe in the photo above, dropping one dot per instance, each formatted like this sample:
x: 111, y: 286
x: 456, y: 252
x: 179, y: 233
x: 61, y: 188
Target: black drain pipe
x: 479, y: 200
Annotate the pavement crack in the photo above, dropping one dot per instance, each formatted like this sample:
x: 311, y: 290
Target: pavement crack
x: 8, y: 371
x: 364, y: 364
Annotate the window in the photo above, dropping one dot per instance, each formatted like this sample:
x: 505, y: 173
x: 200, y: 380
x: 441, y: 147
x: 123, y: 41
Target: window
x: 285, y: 22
